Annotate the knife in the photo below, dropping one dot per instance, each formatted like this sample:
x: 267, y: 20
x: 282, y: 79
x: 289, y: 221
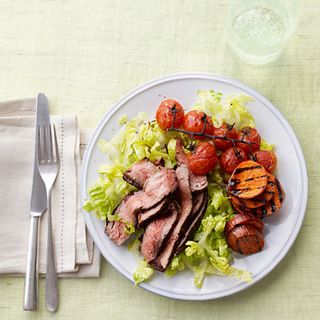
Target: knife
x: 37, y: 207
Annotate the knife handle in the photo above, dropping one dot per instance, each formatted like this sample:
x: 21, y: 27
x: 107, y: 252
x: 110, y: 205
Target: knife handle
x: 31, y: 280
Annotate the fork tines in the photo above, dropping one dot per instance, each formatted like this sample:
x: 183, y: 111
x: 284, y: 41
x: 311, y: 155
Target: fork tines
x: 47, y: 144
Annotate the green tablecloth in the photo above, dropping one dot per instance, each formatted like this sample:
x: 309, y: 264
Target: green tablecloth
x: 86, y: 55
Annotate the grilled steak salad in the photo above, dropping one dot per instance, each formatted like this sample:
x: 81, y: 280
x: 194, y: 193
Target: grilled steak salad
x: 188, y: 188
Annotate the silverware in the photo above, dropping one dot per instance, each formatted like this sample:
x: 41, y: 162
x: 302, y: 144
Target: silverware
x: 48, y: 165
x: 37, y: 207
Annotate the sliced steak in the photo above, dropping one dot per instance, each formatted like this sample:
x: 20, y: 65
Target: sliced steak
x: 185, y: 200
x: 144, y: 217
x: 197, y: 202
x: 197, y: 183
x: 157, y: 187
x: 157, y: 232
x: 162, y: 183
x: 116, y: 229
x: 197, y: 214
x: 139, y: 173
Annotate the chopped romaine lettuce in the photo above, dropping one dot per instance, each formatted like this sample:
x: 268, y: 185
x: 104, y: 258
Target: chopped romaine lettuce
x: 138, y: 139
x: 143, y: 272
x: 210, y: 102
x: 264, y: 145
x: 208, y: 252
x: 232, y: 111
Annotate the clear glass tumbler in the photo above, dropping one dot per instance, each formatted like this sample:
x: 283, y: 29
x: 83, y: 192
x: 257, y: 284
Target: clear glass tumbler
x: 258, y: 30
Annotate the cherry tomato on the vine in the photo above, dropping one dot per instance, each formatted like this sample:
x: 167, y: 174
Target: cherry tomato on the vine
x: 203, y: 159
x: 231, y: 158
x: 266, y: 158
x: 194, y: 121
x: 251, y: 135
x: 226, y: 130
x: 165, y: 114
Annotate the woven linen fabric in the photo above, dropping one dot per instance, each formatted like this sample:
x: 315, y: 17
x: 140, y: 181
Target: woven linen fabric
x: 86, y: 55
x: 72, y: 246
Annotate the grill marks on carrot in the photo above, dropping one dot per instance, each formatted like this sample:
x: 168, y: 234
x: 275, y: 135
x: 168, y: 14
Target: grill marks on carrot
x: 254, y: 191
x: 279, y: 194
x: 259, y: 200
x: 267, y: 210
x: 246, y: 168
x: 248, y: 180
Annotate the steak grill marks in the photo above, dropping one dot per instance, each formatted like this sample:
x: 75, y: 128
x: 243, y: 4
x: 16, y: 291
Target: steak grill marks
x: 168, y: 225
x: 185, y: 200
x: 157, y: 231
x: 139, y: 173
x: 157, y: 187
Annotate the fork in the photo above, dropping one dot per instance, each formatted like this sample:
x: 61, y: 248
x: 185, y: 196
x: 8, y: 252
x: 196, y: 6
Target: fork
x: 48, y: 165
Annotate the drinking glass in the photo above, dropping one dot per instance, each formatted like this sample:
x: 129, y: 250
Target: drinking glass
x: 258, y: 30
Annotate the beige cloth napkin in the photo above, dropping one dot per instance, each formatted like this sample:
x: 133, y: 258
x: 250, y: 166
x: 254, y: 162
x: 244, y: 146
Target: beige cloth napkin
x: 75, y: 253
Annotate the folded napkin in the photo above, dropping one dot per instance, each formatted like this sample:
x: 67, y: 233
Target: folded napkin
x: 75, y: 253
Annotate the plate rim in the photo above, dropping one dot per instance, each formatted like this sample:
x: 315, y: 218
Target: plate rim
x: 302, y: 164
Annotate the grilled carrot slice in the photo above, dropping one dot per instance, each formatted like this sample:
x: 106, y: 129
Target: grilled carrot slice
x: 239, y: 208
x: 259, y: 200
x: 243, y: 219
x: 245, y: 239
x: 278, y: 198
x: 267, y: 210
x: 270, y: 190
x: 247, y: 203
x: 248, y: 180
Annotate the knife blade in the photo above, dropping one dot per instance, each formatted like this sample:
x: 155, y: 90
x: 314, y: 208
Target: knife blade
x: 38, y: 193
x: 37, y: 207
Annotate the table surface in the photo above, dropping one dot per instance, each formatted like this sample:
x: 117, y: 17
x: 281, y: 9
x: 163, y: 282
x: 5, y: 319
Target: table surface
x: 86, y: 55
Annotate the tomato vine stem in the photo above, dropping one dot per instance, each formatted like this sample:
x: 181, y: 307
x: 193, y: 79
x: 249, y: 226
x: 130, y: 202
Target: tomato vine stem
x: 209, y: 136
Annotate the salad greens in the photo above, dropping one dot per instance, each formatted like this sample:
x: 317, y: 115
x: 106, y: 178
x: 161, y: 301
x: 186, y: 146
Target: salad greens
x: 143, y: 272
x: 231, y: 110
x: 264, y: 145
x: 139, y: 139
x: 208, y: 252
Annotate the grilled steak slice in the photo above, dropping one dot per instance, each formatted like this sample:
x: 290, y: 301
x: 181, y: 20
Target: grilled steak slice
x: 139, y: 173
x: 157, y: 187
x: 162, y: 183
x: 197, y: 183
x: 197, y: 202
x: 197, y: 215
x: 116, y: 229
x: 185, y: 200
x: 157, y: 232
x: 144, y: 217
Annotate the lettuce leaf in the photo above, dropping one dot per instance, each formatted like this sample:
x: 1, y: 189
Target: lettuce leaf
x: 264, y: 145
x: 209, y: 103
x: 232, y: 111
x: 137, y: 140
x: 143, y: 272
x: 208, y: 252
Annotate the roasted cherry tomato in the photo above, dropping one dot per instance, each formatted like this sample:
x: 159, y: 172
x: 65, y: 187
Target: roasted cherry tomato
x: 231, y: 158
x: 194, y: 122
x: 266, y: 158
x: 226, y: 130
x: 165, y: 114
x: 251, y: 135
x: 203, y: 159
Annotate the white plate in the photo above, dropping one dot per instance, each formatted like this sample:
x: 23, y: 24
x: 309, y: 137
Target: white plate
x: 280, y: 231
